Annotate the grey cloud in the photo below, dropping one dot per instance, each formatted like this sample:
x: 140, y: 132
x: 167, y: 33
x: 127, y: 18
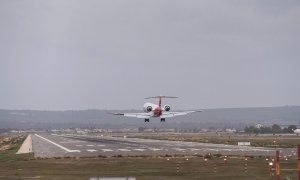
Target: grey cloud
x: 113, y: 53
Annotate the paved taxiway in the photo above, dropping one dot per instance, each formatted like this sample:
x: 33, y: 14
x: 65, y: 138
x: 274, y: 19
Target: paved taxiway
x: 46, y: 145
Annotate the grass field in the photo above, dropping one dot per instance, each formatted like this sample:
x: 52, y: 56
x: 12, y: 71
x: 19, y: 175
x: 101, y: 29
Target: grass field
x: 143, y: 168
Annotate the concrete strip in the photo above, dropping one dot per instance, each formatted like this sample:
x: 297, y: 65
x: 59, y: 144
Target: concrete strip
x: 60, y: 146
x: 26, y: 146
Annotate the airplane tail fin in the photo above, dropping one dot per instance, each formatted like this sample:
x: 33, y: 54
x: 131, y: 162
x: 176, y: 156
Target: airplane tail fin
x: 160, y: 97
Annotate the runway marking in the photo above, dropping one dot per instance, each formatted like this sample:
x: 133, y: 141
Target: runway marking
x: 65, y: 142
x: 69, y: 142
x: 124, y: 150
x: 154, y: 149
x: 90, y: 145
x: 179, y: 149
x: 60, y: 146
x: 194, y: 149
x: 264, y: 150
x: 107, y: 150
x: 100, y: 145
x: 140, y: 149
x: 91, y: 150
x: 226, y: 149
x: 213, y: 149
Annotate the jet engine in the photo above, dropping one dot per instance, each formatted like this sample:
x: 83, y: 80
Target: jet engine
x: 149, y: 108
x: 167, y: 108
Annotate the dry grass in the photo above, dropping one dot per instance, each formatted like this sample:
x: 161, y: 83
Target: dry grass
x: 143, y: 168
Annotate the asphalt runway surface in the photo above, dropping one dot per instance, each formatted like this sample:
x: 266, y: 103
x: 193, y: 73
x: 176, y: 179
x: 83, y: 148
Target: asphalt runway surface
x: 46, y: 145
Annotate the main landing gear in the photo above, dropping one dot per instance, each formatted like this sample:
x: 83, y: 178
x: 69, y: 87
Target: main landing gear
x: 161, y: 120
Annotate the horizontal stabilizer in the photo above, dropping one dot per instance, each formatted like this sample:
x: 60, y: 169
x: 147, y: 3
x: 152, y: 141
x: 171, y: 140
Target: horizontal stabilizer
x: 161, y: 97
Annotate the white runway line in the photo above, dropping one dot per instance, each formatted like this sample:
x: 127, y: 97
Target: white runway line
x: 124, y: 150
x: 139, y: 149
x: 154, y: 149
x: 179, y: 149
x: 100, y: 145
x: 107, y: 150
x: 69, y: 142
x: 226, y: 149
x: 60, y: 146
x: 91, y: 150
x: 263, y: 150
x: 90, y: 145
x: 194, y: 149
x: 212, y: 149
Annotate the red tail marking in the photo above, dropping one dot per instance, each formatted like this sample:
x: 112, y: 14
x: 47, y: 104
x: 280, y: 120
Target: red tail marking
x: 157, y: 112
x: 159, y: 103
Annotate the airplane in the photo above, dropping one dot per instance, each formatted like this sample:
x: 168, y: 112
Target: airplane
x: 156, y: 111
x: 297, y: 132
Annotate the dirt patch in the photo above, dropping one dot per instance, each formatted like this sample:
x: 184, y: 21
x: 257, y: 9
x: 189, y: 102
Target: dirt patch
x: 9, y: 142
x: 6, y: 147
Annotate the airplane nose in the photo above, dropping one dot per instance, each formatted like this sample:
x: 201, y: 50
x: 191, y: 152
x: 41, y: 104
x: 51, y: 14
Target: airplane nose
x: 157, y: 111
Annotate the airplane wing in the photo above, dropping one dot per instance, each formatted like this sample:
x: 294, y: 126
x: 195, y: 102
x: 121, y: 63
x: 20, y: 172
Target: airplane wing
x: 136, y: 115
x: 172, y: 114
x: 148, y: 115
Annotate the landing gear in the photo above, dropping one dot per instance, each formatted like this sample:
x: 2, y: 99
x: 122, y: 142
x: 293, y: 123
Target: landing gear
x: 146, y: 120
x: 162, y: 120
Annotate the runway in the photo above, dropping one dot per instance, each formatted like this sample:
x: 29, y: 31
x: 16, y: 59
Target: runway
x: 46, y: 145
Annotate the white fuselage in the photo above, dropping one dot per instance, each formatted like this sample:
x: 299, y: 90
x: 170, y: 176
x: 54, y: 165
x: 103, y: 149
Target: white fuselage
x: 297, y: 131
x: 154, y: 109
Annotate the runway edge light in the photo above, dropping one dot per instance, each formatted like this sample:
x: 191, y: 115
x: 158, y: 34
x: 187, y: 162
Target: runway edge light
x: 277, y: 166
x: 298, y: 162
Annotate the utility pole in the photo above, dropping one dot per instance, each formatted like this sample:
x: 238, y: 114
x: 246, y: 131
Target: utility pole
x: 277, y: 165
x: 298, y: 162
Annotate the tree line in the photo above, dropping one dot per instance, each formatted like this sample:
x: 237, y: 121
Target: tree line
x: 274, y: 129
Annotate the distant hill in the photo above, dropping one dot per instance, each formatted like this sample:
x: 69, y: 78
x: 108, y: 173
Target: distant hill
x: 218, y: 118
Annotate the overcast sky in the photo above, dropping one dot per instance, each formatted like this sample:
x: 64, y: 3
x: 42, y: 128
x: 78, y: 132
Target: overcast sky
x: 111, y: 54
